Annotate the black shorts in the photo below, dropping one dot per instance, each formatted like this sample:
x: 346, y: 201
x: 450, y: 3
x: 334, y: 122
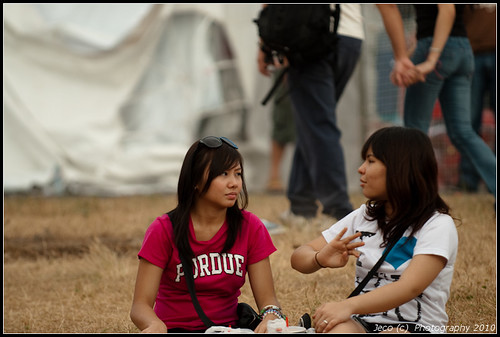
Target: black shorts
x: 379, y: 327
x: 181, y: 330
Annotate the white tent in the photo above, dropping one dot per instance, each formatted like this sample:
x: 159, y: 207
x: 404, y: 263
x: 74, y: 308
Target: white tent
x: 105, y: 99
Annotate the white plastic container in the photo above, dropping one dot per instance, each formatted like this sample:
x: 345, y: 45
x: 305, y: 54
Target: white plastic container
x: 295, y: 329
x: 276, y: 326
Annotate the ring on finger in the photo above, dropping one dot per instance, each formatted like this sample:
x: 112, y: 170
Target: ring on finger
x: 325, y: 321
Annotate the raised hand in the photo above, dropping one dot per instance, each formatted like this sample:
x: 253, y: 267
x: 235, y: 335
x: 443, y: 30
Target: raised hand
x: 336, y: 253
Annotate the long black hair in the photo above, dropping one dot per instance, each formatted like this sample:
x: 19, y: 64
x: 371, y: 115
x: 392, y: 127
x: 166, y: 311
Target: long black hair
x: 412, y: 180
x: 200, y: 160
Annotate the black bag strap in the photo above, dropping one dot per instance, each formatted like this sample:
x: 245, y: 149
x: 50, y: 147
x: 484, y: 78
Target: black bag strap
x: 336, y: 16
x: 188, y: 275
x: 275, y: 86
x: 377, y: 265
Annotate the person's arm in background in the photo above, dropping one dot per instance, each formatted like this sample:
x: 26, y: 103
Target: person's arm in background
x: 444, y: 23
x: 262, y: 63
x: 403, y: 72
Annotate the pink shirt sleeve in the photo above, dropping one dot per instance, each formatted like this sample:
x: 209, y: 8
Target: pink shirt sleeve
x: 157, y: 246
x: 260, y: 244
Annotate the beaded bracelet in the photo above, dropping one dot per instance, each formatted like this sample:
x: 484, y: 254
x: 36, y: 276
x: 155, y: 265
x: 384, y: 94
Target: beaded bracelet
x: 275, y: 312
x: 270, y: 307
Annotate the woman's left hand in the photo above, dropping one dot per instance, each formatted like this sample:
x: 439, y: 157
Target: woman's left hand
x: 262, y: 327
x: 426, y: 68
x: 328, y: 315
x: 405, y: 73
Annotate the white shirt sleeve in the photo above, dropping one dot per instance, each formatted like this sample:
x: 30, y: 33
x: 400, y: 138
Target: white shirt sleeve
x: 438, y: 237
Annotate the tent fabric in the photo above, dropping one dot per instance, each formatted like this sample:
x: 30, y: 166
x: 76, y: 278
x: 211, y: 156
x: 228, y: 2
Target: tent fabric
x: 106, y: 98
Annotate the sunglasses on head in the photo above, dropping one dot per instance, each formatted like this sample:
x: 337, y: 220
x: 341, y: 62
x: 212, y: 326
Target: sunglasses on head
x: 215, y: 142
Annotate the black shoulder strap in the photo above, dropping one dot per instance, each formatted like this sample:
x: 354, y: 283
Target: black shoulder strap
x: 370, y: 274
x: 275, y: 86
x: 188, y: 275
x: 336, y: 15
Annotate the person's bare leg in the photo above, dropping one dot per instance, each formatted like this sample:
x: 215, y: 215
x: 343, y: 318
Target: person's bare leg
x: 275, y: 183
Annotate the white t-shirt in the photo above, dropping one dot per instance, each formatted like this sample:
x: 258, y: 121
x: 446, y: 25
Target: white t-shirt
x: 351, y: 21
x: 438, y: 236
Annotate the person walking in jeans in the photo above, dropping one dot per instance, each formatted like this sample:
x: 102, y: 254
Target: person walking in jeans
x: 480, y: 21
x: 318, y: 165
x: 444, y: 65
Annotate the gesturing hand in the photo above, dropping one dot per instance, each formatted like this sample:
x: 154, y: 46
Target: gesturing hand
x: 336, y: 253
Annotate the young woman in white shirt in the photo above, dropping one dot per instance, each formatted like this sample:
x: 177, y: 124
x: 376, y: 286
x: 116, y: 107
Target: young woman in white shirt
x: 408, y: 293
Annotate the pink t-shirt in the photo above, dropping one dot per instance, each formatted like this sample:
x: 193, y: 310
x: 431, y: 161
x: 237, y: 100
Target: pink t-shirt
x: 217, y: 277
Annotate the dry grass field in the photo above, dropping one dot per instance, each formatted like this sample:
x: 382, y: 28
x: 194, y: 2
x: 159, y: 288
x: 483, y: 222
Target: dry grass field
x: 70, y: 263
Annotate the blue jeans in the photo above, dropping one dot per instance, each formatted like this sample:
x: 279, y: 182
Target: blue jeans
x: 318, y: 166
x: 483, y: 83
x: 451, y: 84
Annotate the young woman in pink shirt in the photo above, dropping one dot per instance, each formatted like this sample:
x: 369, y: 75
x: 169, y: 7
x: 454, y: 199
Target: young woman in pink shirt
x: 222, y: 241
